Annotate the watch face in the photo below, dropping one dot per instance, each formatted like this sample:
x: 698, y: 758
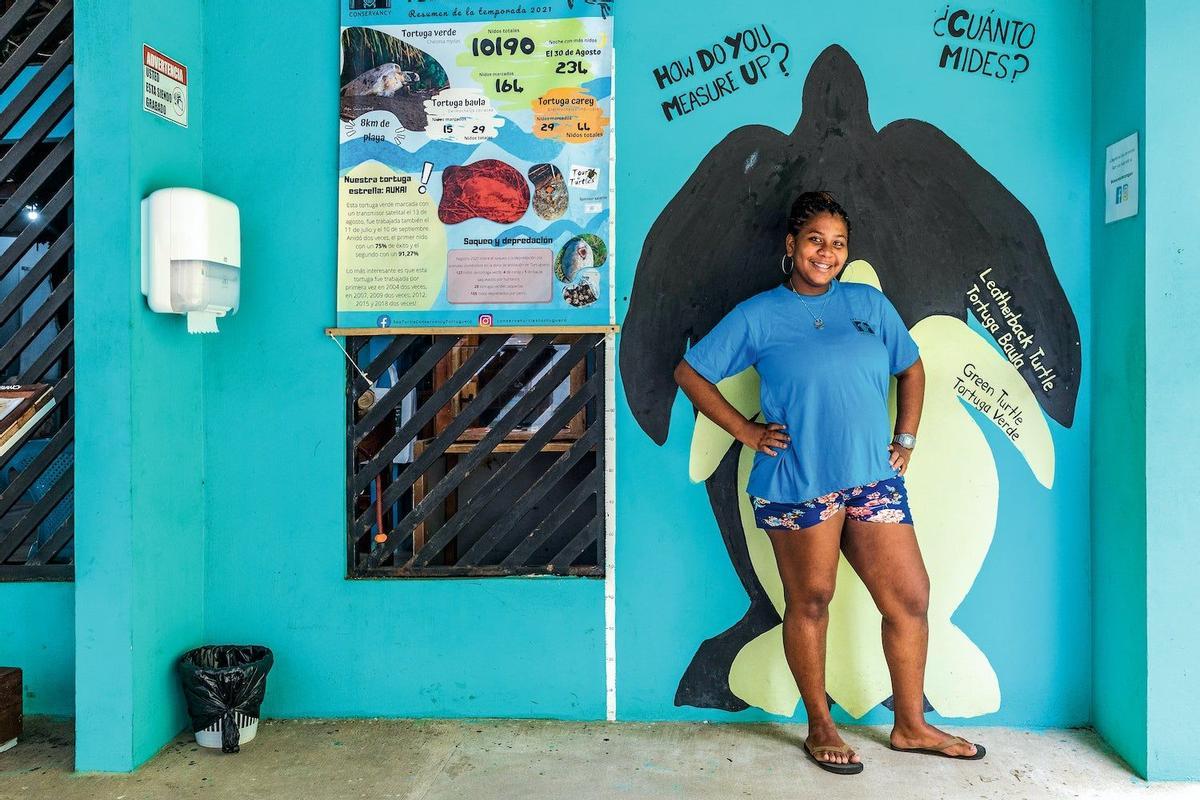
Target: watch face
x: 906, y: 440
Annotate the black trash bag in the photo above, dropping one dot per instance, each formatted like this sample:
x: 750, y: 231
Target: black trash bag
x: 221, y: 679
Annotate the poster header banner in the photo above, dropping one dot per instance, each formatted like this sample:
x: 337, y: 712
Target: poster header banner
x: 474, y: 174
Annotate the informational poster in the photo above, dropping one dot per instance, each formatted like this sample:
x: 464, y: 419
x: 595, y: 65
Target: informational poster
x: 1121, y: 179
x: 473, y: 185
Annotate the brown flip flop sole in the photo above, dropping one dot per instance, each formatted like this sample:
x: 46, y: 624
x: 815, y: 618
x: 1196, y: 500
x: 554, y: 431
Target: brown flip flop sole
x: 980, y: 752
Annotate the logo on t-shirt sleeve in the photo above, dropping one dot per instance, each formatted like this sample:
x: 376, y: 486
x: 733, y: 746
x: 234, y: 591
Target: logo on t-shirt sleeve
x: 863, y: 326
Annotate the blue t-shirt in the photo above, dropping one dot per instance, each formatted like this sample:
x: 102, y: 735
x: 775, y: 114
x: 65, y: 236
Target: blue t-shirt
x: 829, y: 386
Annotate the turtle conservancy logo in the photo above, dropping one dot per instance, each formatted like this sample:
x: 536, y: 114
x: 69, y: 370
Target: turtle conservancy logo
x: 863, y: 327
x: 370, y: 5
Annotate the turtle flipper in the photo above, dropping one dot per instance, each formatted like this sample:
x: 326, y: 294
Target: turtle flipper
x: 705, y: 683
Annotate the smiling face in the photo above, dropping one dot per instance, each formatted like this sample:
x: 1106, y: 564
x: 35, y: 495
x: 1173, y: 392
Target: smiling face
x: 819, y: 249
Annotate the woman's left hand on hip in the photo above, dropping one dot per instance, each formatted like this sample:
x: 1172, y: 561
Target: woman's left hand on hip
x: 898, y: 457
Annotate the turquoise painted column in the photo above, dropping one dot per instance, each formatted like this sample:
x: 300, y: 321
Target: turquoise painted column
x: 1118, y: 361
x: 139, y: 495
x: 1172, y: 181
x: 1144, y: 468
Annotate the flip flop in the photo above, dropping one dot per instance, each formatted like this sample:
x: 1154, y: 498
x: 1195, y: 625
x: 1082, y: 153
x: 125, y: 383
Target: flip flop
x: 938, y: 750
x: 849, y: 768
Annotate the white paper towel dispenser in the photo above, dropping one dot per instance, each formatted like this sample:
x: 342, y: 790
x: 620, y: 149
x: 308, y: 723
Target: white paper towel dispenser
x: 191, y: 256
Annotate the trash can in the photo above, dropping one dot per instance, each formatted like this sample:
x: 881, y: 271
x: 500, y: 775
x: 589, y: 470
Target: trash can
x: 224, y: 686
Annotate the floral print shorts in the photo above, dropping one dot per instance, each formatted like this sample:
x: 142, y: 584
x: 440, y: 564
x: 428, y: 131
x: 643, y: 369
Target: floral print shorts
x: 881, y: 501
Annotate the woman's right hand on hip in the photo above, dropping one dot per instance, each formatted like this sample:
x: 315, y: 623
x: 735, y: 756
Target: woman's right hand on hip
x: 765, y: 438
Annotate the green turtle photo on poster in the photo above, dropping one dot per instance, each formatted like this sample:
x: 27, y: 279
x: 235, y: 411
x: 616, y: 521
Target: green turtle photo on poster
x: 946, y: 242
x: 382, y: 73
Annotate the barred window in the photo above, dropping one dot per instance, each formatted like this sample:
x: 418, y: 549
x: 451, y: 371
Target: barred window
x: 36, y: 293
x: 476, y: 455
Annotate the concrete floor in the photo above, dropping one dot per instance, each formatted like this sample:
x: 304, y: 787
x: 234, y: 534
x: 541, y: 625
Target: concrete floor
x: 478, y: 759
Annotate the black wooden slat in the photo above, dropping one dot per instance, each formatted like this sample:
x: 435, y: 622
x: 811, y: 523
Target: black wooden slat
x: 53, y: 352
x: 408, y: 381
x: 466, y: 415
x: 31, y: 327
x: 19, y: 105
x: 15, y: 490
x: 32, y: 233
x: 65, y: 386
x: 16, y: 573
x: 532, y: 496
x: 588, y: 487
x: 26, y: 526
x: 439, y: 571
x: 15, y: 15
x: 390, y: 353
x: 570, y: 407
x: 573, y: 549
x: 61, y: 538
x: 37, y: 132
x: 500, y: 427
x: 30, y: 280
x: 28, y: 49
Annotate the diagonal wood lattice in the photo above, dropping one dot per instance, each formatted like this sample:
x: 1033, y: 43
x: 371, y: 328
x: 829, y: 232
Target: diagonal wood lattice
x: 36, y: 285
x: 476, y: 455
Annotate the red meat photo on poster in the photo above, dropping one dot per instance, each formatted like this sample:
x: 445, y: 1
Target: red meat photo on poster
x: 487, y: 189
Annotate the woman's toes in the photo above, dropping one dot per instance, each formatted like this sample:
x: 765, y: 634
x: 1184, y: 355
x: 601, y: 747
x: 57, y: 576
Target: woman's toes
x: 967, y: 749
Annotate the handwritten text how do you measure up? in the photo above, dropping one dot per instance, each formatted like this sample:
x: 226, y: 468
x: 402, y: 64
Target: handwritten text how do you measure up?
x: 742, y: 58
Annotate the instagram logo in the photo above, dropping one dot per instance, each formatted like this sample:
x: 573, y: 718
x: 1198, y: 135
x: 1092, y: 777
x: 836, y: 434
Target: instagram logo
x: 485, y: 320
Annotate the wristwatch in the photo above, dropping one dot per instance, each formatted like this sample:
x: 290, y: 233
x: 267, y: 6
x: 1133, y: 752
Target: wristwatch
x: 905, y: 440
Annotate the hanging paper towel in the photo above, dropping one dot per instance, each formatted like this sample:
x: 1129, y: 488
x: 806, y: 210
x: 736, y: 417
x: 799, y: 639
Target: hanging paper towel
x: 201, y: 322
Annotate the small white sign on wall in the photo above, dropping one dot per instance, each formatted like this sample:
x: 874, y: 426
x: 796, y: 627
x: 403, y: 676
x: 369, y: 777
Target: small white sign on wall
x: 164, y: 86
x: 1121, y: 179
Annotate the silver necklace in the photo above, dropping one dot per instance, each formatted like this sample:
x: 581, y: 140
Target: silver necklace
x: 818, y: 322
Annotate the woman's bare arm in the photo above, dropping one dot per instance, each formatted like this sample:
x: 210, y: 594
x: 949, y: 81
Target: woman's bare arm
x: 910, y: 396
x: 708, y: 400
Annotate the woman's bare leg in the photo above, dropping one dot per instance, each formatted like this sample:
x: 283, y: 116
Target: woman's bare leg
x: 808, y: 561
x: 887, y: 558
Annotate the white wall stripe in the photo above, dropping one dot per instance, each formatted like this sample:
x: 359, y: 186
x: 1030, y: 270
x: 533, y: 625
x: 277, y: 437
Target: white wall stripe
x: 610, y: 425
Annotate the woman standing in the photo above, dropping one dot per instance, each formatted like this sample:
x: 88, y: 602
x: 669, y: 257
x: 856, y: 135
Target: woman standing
x: 825, y: 479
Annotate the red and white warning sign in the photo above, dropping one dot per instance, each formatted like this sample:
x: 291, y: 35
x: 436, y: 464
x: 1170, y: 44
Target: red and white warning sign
x: 165, y: 86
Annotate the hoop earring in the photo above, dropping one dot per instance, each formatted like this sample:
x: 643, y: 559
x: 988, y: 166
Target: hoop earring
x: 784, y: 260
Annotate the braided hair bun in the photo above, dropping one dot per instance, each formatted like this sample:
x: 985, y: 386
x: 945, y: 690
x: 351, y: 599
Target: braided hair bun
x: 809, y: 205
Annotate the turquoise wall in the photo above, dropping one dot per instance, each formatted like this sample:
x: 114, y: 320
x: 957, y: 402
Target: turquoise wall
x: 275, y: 442
x: 1172, y: 373
x: 37, y: 634
x: 544, y: 637
x: 676, y: 586
x: 1119, y: 415
x: 139, y: 451
x: 214, y: 508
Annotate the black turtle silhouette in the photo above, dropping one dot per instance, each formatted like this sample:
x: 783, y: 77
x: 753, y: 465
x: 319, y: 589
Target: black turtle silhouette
x: 926, y: 216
